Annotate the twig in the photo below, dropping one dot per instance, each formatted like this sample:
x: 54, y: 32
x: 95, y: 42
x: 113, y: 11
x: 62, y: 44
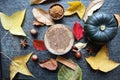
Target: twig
x: 6, y: 56
x: 29, y: 38
x: 4, y: 36
x: 9, y: 58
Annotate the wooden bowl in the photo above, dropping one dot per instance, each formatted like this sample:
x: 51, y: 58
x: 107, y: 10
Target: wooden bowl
x: 57, y: 13
x: 59, y: 39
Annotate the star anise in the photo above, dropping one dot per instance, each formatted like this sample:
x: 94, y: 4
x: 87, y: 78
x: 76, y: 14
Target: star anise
x: 23, y: 43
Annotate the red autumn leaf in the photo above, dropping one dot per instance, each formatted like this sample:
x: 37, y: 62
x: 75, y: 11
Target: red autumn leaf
x: 39, y: 45
x: 78, y: 31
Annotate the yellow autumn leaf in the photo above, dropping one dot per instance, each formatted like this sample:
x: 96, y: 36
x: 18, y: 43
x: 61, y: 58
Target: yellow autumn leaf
x: 18, y: 65
x: 101, y: 61
x: 75, y: 7
x: 13, y: 22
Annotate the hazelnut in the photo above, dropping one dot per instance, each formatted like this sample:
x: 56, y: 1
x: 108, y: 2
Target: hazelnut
x: 33, y: 32
x: 78, y: 55
x: 34, y: 57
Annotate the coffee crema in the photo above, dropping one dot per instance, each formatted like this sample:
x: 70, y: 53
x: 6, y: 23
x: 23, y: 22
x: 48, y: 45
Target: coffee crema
x: 59, y: 39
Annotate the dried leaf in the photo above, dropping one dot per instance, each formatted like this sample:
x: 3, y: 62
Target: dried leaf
x: 13, y: 22
x: 66, y: 73
x: 78, y: 31
x: 80, y: 45
x: 50, y: 64
x: 37, y: 1
x: 39, y: 45
x: 101, y: 61
x: 66, y: 62
x: 18, y: 65
x: 75, y: 7
x: 117, y: 16
x: 37, y: 23
x: 93, y: 6
x: 42, y: 16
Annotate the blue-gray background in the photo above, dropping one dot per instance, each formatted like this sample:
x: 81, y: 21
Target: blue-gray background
x: 10, y: 45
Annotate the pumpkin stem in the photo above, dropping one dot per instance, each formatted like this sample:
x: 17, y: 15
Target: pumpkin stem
x: 102, y: 27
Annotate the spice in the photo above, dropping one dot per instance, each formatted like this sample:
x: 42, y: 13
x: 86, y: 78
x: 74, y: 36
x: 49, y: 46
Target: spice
x: 57, y: 39
x: 23, y: 43
x: 56, y: 11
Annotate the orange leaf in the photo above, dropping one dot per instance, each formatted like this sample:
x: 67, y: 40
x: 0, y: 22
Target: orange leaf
x: 75, y: 7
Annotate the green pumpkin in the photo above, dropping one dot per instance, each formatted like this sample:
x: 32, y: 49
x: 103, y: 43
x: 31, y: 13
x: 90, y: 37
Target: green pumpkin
x: 101, y: 27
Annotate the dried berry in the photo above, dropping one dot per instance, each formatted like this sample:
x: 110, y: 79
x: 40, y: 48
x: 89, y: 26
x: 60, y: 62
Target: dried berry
x: 23, y: 43
x: 34, y: 57
x: 33, y: 32
x: 50, y: 64
x: 78, y: 55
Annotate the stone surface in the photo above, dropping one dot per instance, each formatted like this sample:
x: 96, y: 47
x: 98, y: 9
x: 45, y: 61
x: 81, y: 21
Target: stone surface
x: 10, y: 44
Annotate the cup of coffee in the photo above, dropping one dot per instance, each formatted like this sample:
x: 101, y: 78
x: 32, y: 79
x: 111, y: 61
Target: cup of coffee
x: 59, y: 39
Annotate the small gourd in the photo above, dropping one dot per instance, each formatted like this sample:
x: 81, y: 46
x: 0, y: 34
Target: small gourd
x: 101, y: 27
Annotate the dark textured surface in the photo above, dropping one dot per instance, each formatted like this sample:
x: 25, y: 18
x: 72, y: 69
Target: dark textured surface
x: 0, y: 67
x: 10, y: 44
